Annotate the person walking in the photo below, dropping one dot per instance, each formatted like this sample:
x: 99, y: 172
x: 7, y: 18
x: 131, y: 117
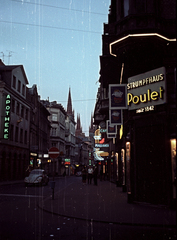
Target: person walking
x: 84, y: 175
x: 90, y: 175
x: 95, y: 173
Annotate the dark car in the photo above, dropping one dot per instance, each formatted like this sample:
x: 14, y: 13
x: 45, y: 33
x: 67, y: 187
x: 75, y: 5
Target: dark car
x: 37, y: 176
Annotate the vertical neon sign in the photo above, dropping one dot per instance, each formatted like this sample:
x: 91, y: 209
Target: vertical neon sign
x: 7, y: 117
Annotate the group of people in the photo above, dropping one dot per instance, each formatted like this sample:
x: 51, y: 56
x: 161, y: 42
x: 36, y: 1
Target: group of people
x: 88, y: 174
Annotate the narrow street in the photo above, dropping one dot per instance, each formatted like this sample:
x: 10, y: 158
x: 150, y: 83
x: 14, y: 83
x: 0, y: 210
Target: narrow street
x: 22, y: 219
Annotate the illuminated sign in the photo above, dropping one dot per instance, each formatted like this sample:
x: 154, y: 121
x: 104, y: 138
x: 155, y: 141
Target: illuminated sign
x: 98, y: 145
x: 147, y: 89
x: 7, y: 117
x: 67, y: 161
x: 116, y: 117
x: 117, y: 96
x: 111, y: 129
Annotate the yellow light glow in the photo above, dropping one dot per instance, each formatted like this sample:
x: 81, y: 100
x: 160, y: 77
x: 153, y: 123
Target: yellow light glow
x: 121, y: 131
x: 139, y: 35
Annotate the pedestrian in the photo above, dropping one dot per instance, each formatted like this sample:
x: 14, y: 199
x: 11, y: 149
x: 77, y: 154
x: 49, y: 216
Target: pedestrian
x: 101, y: 174
x: 95, y: 173
x: 90, y: 175
x: 84, y: 175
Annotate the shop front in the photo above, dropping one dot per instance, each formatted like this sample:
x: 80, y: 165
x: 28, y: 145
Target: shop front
x: 150, y: 150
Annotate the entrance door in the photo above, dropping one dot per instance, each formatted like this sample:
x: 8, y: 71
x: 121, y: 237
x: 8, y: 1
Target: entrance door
x: 150, y: 168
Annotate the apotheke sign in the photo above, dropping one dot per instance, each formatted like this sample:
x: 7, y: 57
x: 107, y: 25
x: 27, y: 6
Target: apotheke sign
x: 7, y: 117
x: 147, y: 89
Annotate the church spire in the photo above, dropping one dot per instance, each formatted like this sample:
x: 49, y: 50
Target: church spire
x: 69, y: 105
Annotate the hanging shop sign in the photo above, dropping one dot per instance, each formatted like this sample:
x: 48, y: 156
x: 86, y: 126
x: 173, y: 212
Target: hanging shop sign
x: 7, y: 117
x: 111, y: 129
x: 147, y: 89
x: 115, y: 117
x: 117, y: 96
x: 111, y: 135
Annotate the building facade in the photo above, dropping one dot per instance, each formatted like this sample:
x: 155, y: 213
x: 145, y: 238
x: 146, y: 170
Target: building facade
x: 39, y: 131
x: 139, y: 45
x: 57, y: 134
x: 14, y: 122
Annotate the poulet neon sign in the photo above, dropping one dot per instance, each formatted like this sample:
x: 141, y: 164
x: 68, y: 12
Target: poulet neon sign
x: 7, y: 117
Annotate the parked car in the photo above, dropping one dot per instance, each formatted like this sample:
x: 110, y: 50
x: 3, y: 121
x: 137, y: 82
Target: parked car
x: 37, y: 176
x: 79, y: 174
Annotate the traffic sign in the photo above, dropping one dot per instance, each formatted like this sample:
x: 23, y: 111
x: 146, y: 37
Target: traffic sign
x: 53, y: 152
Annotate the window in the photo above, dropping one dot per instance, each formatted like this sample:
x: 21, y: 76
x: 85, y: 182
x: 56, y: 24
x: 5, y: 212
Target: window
x: 126, y: 7
x: 19, y: 86
x: 141, y: 6
x: 54, y: 117
x: 25, y: 140
x: 23, y: 90
x: 11, y: 132
x: 21, y: 135
x: 54, y: 144
x: 22, y: 111
x: 26, y: 114
x: 14, y: 82
x: 13, y: 105
x: 17, y: 108
x: 16, y: 134
x: 54, y: 131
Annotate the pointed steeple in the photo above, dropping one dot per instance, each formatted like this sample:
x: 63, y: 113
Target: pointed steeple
x: 69, y: 105
x: 78, y: 127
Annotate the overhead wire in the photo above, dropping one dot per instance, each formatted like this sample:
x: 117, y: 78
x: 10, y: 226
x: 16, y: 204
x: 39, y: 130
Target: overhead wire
x: 69, y: 9
x: 45, y: 26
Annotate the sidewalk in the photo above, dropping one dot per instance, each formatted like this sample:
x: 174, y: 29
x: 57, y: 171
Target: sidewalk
x: 105, y: 203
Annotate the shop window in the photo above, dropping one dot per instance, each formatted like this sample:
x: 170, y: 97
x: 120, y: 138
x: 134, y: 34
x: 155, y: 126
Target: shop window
x: 173, y: 164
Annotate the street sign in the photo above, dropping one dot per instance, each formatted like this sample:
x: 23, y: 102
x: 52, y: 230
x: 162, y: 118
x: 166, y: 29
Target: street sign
x: 53, y: 152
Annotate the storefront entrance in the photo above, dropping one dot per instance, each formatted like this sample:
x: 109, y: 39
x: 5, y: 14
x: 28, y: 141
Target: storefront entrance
x: 151, y: 170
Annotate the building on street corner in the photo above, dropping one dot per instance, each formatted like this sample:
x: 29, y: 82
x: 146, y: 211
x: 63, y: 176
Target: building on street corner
x: 139, y: 46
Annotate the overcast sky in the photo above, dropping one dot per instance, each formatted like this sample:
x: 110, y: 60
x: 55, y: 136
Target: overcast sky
x: 59, y: 43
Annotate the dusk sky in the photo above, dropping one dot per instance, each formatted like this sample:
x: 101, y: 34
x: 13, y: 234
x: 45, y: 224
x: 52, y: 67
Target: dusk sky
x: 59, y: 43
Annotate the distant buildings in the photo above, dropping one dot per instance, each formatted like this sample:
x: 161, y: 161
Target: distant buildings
x: 29, y: 127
